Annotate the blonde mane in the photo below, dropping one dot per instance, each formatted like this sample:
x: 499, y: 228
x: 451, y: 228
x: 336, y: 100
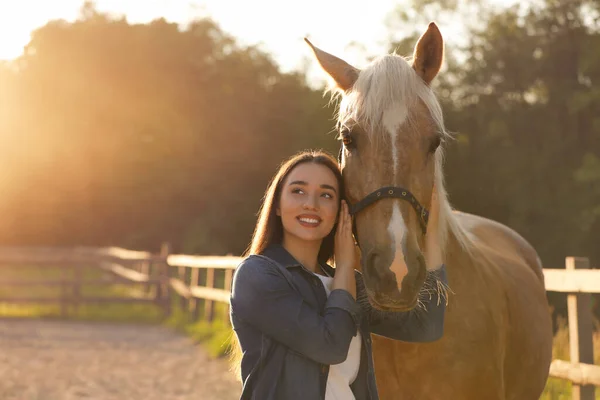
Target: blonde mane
x: 388, y: 80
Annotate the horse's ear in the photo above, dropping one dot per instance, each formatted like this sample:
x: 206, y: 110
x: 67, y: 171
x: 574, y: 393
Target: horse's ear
x: 339, y: 70
x: 429, y: 53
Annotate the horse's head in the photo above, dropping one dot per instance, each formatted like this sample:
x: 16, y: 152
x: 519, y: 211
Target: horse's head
x: 391, y: 126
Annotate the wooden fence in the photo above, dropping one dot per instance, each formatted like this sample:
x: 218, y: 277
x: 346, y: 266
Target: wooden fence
x: 579, y: 282
x: 121, y: 267
x: 576, y: 280
x: 196, y: 279
x: 207, y: 280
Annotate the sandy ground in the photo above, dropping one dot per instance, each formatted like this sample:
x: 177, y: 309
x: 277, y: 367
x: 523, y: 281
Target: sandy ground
x: 57, y: 360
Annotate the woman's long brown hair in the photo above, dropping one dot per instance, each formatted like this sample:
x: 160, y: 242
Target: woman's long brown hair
x: 269, y: 229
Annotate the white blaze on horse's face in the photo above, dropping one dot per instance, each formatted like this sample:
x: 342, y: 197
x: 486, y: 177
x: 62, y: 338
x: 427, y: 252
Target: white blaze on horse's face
x: 393, y: 118
x: 397, y: 230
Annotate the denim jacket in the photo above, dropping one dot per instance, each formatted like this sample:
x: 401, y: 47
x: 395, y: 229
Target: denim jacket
x: 290, y: 331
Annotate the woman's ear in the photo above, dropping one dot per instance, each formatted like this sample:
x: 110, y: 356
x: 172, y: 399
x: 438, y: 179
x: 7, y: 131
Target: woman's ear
x: 278, y: 211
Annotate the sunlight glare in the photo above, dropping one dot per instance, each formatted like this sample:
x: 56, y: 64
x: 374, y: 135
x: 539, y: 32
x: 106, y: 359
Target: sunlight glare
x: 280, y: 30
x: 19, y: 18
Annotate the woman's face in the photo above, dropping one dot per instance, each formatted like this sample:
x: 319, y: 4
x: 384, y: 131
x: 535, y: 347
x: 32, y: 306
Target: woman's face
x: 308, y: 205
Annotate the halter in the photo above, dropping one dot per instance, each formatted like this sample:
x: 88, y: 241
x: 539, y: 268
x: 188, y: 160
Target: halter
x: 389, y: 192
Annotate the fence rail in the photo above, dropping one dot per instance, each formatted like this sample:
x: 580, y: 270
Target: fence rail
x: 207, y: 279
x: 122, y: 266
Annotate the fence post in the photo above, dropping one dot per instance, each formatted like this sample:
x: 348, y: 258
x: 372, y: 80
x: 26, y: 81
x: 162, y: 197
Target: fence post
x: 165, y: 285
x: 64, y: 293
x: 209, y: 305
x: 145, y: 269
x: 580, y: 329
x: 183, y: 301
x: 228, y: 282
x: 194, y: 281
x: 78, y: 275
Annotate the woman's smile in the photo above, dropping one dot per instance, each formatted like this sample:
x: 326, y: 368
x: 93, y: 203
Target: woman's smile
x: 308, y: 204
x: 309, y: 220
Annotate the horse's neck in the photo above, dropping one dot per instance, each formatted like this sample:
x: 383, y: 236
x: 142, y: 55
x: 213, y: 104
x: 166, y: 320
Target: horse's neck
x: 456, y: 244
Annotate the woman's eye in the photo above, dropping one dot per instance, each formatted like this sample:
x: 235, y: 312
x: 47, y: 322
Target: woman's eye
x: 328, y: 195
x: 298, y: 191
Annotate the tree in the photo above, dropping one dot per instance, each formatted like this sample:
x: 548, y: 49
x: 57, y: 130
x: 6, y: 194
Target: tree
x: 522, y: 97
x: 133, y: 134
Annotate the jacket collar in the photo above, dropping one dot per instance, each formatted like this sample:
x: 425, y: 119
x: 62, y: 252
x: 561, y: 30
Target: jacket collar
x: 279, y: 254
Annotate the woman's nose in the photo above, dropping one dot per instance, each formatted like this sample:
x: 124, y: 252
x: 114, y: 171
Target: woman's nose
x: 311, y: 203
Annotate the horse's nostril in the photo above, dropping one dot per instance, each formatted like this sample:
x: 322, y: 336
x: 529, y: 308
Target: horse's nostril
x: 372, y: 262
x: 378, y: 275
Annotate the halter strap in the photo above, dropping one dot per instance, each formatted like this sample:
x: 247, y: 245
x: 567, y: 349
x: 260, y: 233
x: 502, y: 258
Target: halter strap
x: 396, y: 193
x: 389, y: 192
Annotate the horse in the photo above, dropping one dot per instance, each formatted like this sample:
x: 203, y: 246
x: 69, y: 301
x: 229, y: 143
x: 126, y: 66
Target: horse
x: 497, y: 341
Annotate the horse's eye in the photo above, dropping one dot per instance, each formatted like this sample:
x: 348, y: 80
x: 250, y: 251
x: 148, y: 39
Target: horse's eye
x: 435, y: 143
x: 346, y: 137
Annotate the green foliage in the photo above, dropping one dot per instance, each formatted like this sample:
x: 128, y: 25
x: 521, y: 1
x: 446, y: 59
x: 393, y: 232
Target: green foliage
x: 588, y: 177
x: 215, y: 336
x: 131, y: 135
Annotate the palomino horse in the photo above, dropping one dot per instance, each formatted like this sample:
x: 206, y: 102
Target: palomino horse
x: 497, y: 341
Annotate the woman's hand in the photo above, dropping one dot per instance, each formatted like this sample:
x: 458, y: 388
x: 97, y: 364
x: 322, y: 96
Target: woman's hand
x: 346, y: 251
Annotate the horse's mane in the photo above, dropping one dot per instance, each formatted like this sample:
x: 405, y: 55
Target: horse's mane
x: 386, y: 81
x: 389, y: 80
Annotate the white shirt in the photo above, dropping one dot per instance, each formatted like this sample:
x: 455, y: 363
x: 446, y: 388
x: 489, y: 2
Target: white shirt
x: 342, y: 375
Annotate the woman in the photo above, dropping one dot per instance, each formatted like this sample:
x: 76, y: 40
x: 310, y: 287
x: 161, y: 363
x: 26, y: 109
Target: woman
x: 302, y: 333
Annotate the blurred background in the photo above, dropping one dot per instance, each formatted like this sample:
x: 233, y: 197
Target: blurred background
x: 130, y: 124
